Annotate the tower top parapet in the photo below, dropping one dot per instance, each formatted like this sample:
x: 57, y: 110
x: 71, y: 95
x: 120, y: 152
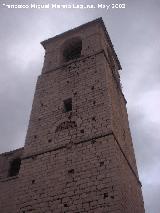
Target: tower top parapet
x: 98, y: 21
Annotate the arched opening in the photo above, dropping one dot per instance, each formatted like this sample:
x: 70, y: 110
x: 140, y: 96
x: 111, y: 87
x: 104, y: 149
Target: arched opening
x: 14, y: 167
x: 72, y: 49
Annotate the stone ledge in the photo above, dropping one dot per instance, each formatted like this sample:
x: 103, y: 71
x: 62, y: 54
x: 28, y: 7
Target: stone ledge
x: 8, y: 178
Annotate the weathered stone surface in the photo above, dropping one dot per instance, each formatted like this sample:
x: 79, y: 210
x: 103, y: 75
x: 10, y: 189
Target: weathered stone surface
x: 77, y: 159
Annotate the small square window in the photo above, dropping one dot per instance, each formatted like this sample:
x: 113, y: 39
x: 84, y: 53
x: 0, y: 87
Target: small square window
x: 68, y: 105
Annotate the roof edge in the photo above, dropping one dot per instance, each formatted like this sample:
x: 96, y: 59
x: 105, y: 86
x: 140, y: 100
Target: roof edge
x: 12, y: 151
x: 98, y: 20
x: 73, y: 29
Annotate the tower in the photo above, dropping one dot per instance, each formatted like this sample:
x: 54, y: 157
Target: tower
x: 78, y: 155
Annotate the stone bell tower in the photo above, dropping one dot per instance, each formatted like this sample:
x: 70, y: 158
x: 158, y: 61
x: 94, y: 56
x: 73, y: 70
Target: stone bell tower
x: 78, y: 156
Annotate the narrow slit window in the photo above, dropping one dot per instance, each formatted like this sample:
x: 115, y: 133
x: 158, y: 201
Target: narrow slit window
x: 68, y: 105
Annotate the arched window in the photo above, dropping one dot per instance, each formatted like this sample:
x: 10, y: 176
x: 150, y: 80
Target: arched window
x: 72, y: 49
x: 14, y: 167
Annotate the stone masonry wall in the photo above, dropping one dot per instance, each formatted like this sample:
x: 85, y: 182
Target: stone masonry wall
x: 80, y: 161
x: 119, y: 119
x: 91, y: 176
x: 8, y: 185
x: 85, y: 82
x: 84, y: 177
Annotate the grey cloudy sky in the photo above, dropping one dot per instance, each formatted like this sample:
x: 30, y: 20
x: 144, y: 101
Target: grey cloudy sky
x: 135, y: 33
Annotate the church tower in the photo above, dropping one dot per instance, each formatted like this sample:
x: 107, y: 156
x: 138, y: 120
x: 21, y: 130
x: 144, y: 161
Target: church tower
x: 78, y: 155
